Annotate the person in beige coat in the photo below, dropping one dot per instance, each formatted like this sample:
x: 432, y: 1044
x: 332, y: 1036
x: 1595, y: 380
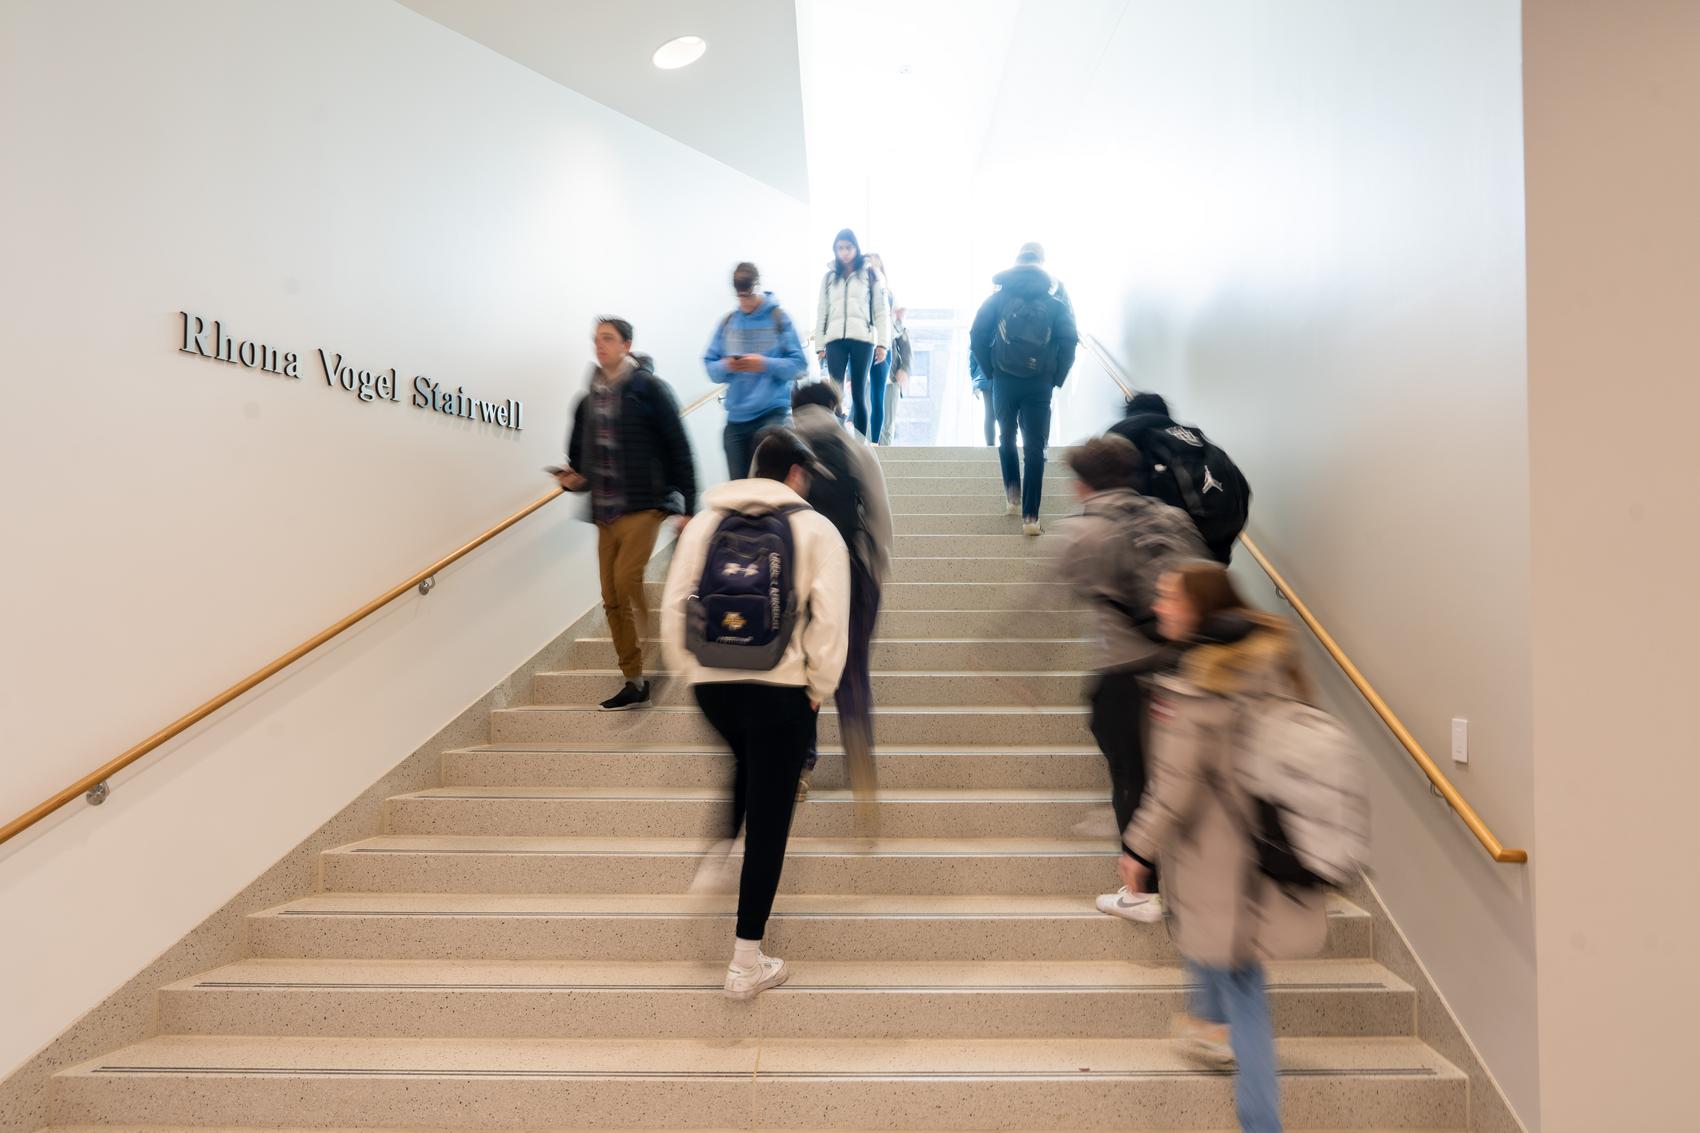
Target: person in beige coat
x: 1227, y: 918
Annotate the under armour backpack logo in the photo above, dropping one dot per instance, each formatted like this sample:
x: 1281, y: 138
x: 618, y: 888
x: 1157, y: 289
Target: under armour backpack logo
x: 1211, y: 482
x: 741, y: 571
x: 1182, y: 433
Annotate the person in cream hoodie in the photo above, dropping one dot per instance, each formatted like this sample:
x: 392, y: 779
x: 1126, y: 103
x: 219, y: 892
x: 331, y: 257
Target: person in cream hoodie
x: 766, y: 716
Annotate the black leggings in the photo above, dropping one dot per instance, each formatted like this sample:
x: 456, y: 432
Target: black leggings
x: 770, y: 729
x: 1119, y: 703
x: 847, y: 355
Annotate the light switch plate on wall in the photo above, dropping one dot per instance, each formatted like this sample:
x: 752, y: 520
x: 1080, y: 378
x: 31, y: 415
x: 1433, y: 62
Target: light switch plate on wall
x: 1460, y: 740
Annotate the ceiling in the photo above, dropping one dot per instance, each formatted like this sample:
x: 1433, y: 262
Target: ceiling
x: 741, y: 103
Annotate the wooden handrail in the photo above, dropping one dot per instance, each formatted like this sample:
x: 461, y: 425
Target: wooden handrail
x: 1425, y: 762
x: 95, y: 779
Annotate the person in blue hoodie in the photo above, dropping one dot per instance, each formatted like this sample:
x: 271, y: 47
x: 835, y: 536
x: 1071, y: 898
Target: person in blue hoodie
x: 757, y: 355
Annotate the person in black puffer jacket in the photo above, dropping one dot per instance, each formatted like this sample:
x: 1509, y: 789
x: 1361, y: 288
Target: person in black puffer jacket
x: 628, y: 449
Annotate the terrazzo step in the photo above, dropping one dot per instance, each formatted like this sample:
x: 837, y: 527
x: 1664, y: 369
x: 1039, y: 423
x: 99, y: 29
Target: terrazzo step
x: 992, y: 624
x: 931, y: 481
x: 1041, y: 595
x: 124, y: 1128
x: 890, y: 927
x: 586, y: 687
x: 985, y: 467
x: 430, y: 863
x: 965, y: 523
x: 956, y: 568
x: 973, y: 724
x: 660, y: 812
x: 569, y: 765
x: 823, y: 998
x: 906, y: 453
x: 762, y: 1083
x: 1056, y: 503
x: 1009, y: 545
x: 908, y: 655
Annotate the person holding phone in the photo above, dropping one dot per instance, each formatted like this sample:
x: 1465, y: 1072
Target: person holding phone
x: 756, y: 355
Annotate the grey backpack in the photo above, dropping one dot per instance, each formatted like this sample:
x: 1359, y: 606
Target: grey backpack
x: 1304, y: 776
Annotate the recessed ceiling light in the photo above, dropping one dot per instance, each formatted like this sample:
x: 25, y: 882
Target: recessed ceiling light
x: 681, y: 52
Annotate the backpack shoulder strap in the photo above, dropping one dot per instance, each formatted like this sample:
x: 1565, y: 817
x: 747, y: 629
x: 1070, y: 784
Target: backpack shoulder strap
x: 778, y: 319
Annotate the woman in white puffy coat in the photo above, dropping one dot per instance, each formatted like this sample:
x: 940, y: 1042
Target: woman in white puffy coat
x: 853, y: 326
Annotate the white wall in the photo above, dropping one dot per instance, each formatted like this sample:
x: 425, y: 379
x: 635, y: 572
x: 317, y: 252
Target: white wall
x: 1612, y: 99
x: 1304, y: 222
x: 345, y: 174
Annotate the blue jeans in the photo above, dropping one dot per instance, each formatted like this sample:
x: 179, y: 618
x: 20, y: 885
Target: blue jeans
x: 1238, y: 997
x: 846, y: 358
x: 740, y: 441
x: 1023, y: 402
x: 878, y: 378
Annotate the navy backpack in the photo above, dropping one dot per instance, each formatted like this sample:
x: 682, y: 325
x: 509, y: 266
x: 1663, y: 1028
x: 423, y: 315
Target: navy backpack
x: 745, y: 605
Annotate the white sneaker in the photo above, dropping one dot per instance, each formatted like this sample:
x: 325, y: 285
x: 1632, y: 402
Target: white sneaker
x: 1012, y: 505
x: 747, y: 983
x: 1031, y: 527
x: 1146, y: 908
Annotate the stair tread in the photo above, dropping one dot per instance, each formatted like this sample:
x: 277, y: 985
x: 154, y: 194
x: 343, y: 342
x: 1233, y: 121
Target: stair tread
x: 903, y: 906
x: 1024, y: 1058
x: 700, y: 794
x: 801, y: 847
x: 615, y: 674
x: 242, y: 1128
x: 689, y: 975
x: 605, y: 747
x: 827, y: 710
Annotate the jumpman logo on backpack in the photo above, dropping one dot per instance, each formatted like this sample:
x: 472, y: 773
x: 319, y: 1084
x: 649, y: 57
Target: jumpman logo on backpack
x: 1211, y: 482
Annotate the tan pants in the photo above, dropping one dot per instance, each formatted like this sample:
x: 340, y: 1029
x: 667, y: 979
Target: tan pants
x: 623, y: 549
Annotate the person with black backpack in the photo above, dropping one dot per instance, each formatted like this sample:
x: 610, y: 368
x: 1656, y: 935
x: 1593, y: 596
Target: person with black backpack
x: 1112, y: 555
x: 849, y: 489
x: 853, y: 326
x: 755, y: 617
x: 756, y: 354
x: 1185, y: 470
x: 1025, y: 338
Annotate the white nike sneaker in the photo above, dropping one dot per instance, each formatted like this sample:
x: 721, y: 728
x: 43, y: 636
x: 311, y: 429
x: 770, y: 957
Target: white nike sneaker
x: 1146, y: 908
x: 747, y: 983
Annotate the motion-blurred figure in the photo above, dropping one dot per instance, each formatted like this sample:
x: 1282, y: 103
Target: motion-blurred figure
x: 849, y: 489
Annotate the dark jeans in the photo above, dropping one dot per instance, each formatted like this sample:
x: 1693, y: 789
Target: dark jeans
x: 1023, y: 403
x: 1119, y: 704
x: 855, y: 695
x: 846, y: 356
x: 770, y: 729
x: 991, y: 404
x: 878, y: 378
x: 740, y: 441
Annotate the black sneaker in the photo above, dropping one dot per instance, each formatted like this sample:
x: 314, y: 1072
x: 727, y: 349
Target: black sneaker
x: 633, y: 695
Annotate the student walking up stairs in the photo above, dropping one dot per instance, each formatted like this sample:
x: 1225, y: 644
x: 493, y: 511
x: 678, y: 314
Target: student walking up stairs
x: 518, y: 949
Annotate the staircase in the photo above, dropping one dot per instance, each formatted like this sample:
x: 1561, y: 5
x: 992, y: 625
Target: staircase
x: 518, y: 951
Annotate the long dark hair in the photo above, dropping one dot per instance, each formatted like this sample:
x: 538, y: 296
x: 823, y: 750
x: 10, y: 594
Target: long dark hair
x: 857, y: 264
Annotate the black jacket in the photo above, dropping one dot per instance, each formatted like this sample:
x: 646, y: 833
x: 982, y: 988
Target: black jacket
x: 654, y: 452
x: 1024, y: 281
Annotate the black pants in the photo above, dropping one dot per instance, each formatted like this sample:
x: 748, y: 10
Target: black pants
x: 770, y: 729
x: 848, y: 358
x: 1119, y: 708
x: 740, y: 441
x: 854, y: 697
